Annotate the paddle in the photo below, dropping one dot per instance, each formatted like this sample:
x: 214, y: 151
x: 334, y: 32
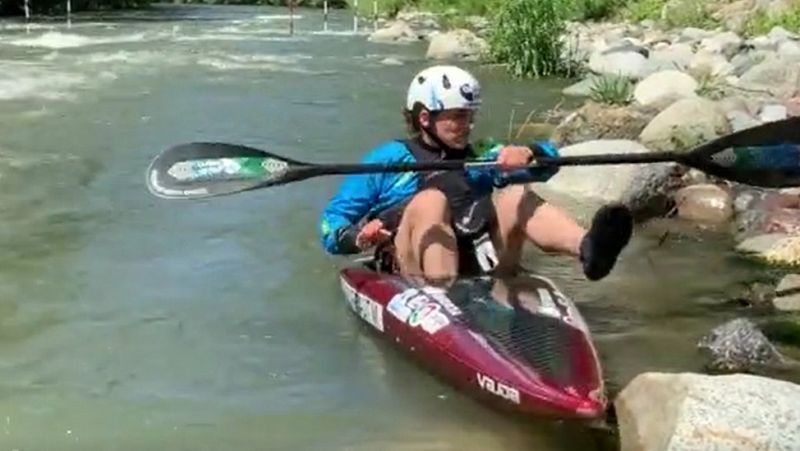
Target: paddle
x: 767, y: 155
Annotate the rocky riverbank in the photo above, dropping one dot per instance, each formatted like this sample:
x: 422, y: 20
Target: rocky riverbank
x: 649, y: 88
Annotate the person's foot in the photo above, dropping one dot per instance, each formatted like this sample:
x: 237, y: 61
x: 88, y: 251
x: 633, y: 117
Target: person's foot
x: 610, y: 232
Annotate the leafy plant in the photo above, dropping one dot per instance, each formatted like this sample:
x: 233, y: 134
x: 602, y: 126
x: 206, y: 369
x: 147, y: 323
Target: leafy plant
x: 612, y: 90
x: 527, y: 36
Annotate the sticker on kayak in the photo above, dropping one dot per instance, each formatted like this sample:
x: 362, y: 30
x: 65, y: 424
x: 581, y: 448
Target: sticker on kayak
x: 422, y: 307
x: 369, y: 310
x: 498, y: 388
x: 555, y: 304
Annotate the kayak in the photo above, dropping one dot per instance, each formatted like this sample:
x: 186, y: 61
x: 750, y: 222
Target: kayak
x: 517, y: 343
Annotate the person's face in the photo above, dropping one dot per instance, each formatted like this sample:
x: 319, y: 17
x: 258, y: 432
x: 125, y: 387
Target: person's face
x: 453, y: 127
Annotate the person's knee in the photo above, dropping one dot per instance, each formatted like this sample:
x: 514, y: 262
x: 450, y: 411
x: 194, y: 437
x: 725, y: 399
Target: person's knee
x: 517, y: 201
x: 429, y: 207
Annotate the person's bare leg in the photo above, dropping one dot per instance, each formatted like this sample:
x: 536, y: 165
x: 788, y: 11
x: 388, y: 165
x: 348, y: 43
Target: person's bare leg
x: 523, y: 215
x: 425, y: 242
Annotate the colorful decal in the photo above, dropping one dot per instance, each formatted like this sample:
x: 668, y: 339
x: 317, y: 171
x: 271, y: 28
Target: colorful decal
x: 422, y: 307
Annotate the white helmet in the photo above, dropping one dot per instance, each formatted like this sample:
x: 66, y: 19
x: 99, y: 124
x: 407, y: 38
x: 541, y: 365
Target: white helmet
x: 444, y: 87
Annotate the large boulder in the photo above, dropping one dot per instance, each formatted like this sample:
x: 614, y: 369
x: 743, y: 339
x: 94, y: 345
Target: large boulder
x: 642, y: 187
x: 704, y: 203
x: 456, y: 44
x: 777, y: 249
x: 685, y: 124
x: 598, y: 121
x: 686, y: 411
x: 774, y: 76
x: 664, y: 85
x: 625, y: 63
x: 395, y: 33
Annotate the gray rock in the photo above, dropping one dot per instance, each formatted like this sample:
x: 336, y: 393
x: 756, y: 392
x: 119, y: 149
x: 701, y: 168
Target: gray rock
x: 683, y: 412
x: 739, y: 346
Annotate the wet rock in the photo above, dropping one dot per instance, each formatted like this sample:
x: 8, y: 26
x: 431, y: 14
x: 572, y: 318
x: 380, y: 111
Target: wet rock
x: 787, y: 294
x: 704, y: 203
x: 739, y: 346
x: 756, y: 295
x: 663, y: 86
x: 679, y: 412
x: 685, y: 124
x: 775, y: 249
x: 762, y: 211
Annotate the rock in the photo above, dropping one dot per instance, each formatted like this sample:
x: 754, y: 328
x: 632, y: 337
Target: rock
x: 764, y: 43
x: 771, y: 113
x: 642, y: 188
x: 685, y: 411
x: 597, y: 121
x: 665, y: 85
x: 707, y: 63
x: 676, y: 56
x: 582, y: 88
x: 685, y: 124
x: 691, y: 35
x: 739, y: 346
x: 740, y: 120
x: 456, y: 44
x: 396, y: 32
x: 726, y: 44
x: 793, y: 106
x: 391, y: 62
x: 787, y: 294
x: 774, y: 76
x: 779, y: 34
x: 773, y: 248
x: 743, y: 62
x: 757, y: 295
x: 789, y: 50
x: 628, y: 64
x: 704, y: 203
x: 531, y: 131
x: 762, y: 212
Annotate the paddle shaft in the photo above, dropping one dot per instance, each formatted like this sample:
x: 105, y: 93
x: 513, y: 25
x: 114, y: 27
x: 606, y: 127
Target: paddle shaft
x: 446, y: 165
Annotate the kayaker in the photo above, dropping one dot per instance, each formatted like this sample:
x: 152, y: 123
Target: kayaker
x: 438, y: 225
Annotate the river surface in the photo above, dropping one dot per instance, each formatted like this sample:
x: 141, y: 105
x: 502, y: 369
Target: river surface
x: 129, y: 322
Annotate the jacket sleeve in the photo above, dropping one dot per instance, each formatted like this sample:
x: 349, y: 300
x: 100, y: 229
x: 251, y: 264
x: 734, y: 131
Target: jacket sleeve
x: 500, y: 179
x: 340, y: 219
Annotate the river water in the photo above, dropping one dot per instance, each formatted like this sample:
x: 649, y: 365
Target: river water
x: 129, y: 322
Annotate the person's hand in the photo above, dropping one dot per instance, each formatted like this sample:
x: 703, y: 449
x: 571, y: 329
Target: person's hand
x: 371, y: 234
x: 514, y: 157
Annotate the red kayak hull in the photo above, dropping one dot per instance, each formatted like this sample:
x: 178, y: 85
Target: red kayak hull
x: 539, y: 360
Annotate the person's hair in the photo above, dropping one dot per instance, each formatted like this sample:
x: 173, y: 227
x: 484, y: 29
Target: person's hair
x: 410, y: 117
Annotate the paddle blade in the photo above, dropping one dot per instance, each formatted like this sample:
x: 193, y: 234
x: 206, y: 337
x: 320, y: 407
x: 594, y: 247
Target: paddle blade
x: 198, y: 170
x: 767, y: 155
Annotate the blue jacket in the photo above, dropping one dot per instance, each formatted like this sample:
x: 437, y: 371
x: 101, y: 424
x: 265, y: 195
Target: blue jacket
x: 365, y: 195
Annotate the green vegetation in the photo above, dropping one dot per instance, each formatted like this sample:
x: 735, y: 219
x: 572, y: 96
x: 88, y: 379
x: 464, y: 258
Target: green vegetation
x: 527, y: 37
x: 763, y: 22
x: 612, y: 90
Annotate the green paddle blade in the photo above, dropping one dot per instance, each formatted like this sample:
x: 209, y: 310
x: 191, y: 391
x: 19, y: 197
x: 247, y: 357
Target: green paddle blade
x: 197, y: 170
